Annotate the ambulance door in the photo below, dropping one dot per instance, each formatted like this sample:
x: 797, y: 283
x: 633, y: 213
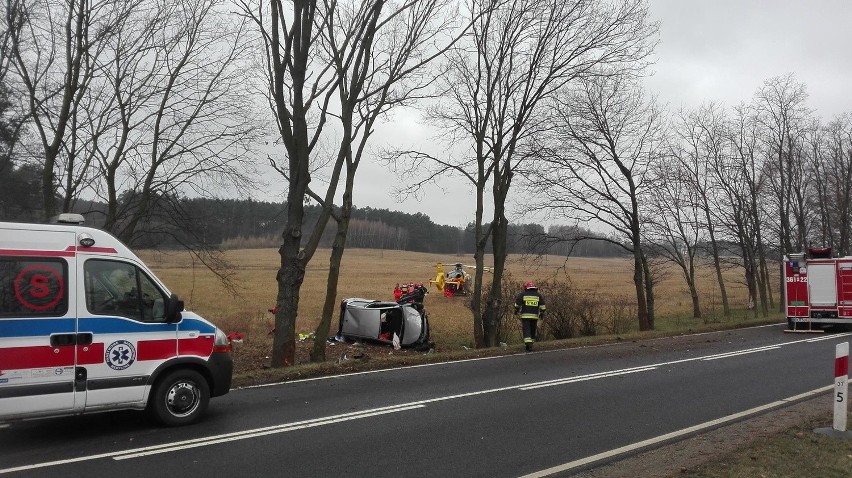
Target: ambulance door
x: 38, y: 326
x: 124, y: 311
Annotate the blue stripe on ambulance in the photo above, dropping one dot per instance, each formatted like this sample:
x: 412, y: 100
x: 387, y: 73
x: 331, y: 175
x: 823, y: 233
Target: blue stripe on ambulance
x: 99, y: 325
x: 35, y: 327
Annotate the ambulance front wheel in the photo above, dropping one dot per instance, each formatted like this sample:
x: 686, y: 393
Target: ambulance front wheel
x: 180, y: 398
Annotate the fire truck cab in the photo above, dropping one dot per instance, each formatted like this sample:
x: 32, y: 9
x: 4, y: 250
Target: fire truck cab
x: 85, y: 327
x: 818, y: 289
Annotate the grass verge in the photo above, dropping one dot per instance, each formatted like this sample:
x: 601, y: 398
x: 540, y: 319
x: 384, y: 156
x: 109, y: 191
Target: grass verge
x: 793, y: 453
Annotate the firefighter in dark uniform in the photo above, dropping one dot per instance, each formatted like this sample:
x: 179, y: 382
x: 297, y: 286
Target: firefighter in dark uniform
x: 529, y: 306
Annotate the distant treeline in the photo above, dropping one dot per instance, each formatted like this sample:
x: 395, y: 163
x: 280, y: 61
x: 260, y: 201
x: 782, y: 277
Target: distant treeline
x: 244, y: 223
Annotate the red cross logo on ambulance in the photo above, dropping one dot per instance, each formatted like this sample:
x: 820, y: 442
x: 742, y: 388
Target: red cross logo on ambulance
x: 120, y: 355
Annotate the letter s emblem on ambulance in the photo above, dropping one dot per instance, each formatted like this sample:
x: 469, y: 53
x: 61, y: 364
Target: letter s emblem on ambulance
x: 120, y: 355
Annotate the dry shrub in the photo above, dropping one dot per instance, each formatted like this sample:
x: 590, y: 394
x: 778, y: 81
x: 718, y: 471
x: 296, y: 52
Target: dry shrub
x: 571, y: 312
x: 619, y: 315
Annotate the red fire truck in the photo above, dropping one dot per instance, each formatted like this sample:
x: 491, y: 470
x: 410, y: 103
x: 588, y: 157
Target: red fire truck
x: 818, y: 290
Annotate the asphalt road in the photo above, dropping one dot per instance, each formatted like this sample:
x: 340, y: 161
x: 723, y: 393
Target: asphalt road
x: 540, y: 414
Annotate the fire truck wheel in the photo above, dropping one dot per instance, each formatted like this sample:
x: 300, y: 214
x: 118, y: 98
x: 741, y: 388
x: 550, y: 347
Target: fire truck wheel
x: 180, y: 398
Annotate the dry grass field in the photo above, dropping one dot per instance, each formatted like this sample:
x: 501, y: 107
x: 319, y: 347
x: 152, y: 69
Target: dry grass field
x: 374, y: 273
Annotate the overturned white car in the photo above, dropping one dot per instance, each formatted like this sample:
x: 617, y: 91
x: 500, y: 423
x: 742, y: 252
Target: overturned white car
x: 380, y: 321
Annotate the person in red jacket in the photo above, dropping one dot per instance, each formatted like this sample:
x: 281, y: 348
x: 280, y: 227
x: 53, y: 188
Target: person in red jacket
x: 529, y: 306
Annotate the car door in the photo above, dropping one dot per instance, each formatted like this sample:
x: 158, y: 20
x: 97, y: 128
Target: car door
x: 361, y: 321
x: 123, y: 310
x: 38, y: 325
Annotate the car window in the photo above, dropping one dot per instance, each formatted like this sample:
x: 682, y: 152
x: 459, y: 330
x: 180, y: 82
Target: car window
x: 33, y: 287
x: 122, y: 289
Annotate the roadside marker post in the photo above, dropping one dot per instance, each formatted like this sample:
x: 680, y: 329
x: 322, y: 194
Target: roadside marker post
x: 841, y: 386
x: 841, y: 394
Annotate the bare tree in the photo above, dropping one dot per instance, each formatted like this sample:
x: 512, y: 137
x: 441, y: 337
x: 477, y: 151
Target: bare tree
x: 782, y: 114
x: 380, y: 55
x: 818, y: 147
x: 179, y: 117
x: 741, y: 177
x: 672, y: 219
x: 597, y: 170
x: 11, y: 115
x: 700, y: 142
x: 140, y: 98
x: 520, y: 53
x: 348, y: 62
x: 831, y: 166
x: 53, y: 47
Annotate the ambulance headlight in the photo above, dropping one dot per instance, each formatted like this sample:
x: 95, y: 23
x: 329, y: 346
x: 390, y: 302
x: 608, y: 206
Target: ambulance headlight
x: 220, y: 342
x: 86, y: 240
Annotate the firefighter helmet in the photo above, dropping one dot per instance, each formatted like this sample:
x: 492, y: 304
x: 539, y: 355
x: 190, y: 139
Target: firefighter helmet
x: 530, y: 285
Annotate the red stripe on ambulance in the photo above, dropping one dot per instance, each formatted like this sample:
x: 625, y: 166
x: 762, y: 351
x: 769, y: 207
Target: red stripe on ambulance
x: 156, y: 349
x: 14, y: 358
x: 90, y: 354
x: 23, y: 253
x: 201, y: 346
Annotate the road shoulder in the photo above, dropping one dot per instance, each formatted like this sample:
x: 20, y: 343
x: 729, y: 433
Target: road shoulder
x: 683, y: 456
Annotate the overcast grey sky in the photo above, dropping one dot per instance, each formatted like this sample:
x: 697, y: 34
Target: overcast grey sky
x: 711, y: 50
x: 723, y: 50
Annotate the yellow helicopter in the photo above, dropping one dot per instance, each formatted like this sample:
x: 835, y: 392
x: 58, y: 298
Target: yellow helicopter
x: 455, y: 281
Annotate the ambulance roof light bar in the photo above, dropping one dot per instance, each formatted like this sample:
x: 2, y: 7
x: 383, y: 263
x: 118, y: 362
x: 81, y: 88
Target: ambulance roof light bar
x: 70, y: 218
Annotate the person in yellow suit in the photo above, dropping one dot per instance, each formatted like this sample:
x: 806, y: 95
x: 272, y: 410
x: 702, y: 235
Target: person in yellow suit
x: 529, y: 306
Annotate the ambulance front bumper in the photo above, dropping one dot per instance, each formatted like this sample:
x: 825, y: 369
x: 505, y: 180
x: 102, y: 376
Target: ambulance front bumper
x: 221, y: 366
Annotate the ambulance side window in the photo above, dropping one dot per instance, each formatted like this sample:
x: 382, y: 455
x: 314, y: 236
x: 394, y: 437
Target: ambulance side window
x: 113, y: 288
x: 33, y: 287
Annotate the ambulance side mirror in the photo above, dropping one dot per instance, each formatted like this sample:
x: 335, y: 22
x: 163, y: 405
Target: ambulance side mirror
x: 174, y: 306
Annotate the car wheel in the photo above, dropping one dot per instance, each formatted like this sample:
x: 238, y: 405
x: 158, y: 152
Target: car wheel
x: 180, y: 398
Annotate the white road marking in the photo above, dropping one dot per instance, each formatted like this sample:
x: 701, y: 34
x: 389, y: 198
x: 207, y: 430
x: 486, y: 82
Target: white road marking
x: 668, y: 436
x: 172, y: 447
x: 742, y: 352
x: 828, y: 337
x: 583, y: 378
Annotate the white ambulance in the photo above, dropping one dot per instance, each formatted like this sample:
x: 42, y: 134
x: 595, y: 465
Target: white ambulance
x: 86, y: 327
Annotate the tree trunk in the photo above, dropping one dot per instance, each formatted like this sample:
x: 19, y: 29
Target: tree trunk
x: 748, y: 264
x: 498, y: 245
x: 337, y: 248
x: 693, y: 290
x: 481, y: 240
x: 717, y: 266
x: 48, y: 187
x: 649, y: 292
x: 641, y: 303
x: 290, y: 277
x: 476, y: 298
x: 328, y: 309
